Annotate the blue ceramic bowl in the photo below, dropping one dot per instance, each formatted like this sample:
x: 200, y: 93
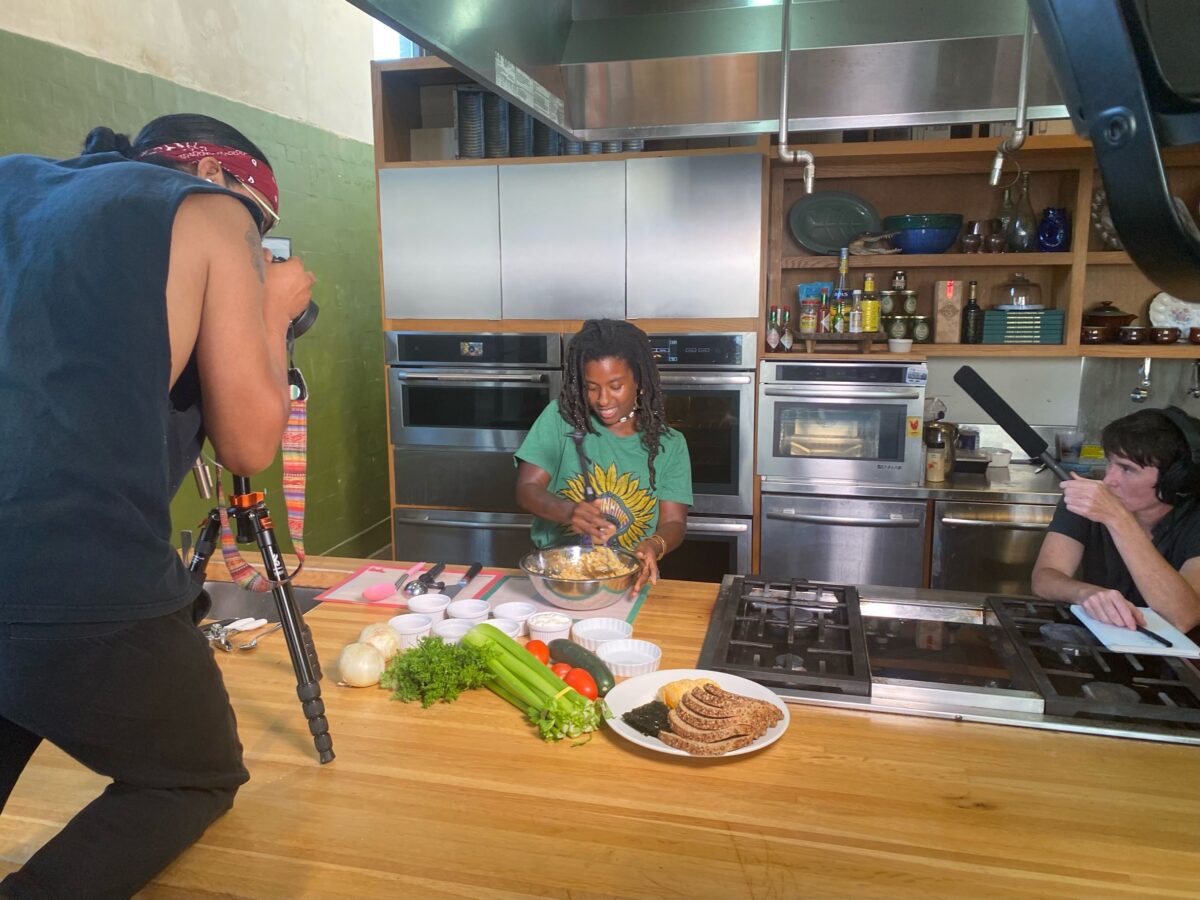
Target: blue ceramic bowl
x: 925, y: 240
x: 924, y: 233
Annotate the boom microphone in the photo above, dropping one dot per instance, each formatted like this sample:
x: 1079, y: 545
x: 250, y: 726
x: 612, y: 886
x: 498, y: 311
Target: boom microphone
x: 1006, y: 417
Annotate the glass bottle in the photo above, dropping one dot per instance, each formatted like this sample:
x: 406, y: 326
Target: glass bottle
x: 972, y: 317
x: 786, y: 340
x: 870, y: 301
x: 854, y: 319
x: 1002, y: 212
x: 825, y: 317
x: 773, y: 332
x: 1021, y: 234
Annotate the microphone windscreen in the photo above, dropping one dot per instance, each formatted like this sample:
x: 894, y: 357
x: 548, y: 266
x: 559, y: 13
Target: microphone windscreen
x: 1002, y: 414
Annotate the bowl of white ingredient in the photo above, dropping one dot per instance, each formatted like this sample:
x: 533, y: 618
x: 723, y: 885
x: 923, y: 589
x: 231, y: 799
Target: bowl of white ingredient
x: 582, y: 578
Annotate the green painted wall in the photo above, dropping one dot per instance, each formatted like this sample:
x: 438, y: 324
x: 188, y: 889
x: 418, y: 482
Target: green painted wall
x: 51, y: 97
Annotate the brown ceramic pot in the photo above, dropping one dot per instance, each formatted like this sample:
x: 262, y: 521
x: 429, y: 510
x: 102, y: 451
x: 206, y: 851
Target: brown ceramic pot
x: 1133, y: 334
x: 1164, y: 335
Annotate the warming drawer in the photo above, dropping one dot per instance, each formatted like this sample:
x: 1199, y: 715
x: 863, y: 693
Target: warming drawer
x: 987, y: 547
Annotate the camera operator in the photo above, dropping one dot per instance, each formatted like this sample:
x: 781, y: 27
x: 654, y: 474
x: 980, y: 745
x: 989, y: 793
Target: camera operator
x: 132, y: 283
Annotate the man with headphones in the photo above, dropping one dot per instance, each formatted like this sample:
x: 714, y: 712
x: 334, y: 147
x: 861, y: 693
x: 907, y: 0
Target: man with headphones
x: 1133, y: 539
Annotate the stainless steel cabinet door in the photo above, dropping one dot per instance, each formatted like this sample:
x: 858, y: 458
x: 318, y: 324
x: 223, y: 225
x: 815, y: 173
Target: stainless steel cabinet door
x: 987, y: 546
x: 843, y: 540
x: 562, y: 240
x: 436, y: 535
x: 694, y: 235
x: 440, y: 235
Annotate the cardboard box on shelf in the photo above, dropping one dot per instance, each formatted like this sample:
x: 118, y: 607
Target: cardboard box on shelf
x: 433, y: 143
x: 948, y: 300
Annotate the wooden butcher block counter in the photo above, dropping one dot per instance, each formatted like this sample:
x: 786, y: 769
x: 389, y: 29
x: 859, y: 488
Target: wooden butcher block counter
x: 463, y: 800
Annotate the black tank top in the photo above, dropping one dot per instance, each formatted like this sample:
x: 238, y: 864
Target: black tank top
x: 86, y: 441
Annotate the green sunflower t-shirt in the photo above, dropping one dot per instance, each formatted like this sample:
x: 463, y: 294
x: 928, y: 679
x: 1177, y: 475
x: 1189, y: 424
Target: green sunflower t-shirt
x: 619, y: 471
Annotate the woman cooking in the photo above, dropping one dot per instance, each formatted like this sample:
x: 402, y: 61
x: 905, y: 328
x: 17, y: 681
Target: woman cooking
x: 612, y: 407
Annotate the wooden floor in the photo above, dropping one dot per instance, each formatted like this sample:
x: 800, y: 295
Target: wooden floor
x: 462, y: 801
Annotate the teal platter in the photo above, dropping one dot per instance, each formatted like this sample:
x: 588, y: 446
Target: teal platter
x: 826, y: 221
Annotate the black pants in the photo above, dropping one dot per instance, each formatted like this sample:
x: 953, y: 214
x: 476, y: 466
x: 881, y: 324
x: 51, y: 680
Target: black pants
x: 140, y: 702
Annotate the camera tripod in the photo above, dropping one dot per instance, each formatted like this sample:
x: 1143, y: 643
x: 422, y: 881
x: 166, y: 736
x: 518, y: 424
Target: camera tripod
x: 248, y: 509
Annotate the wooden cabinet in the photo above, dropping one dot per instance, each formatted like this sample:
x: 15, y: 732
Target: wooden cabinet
x: 951, y: 176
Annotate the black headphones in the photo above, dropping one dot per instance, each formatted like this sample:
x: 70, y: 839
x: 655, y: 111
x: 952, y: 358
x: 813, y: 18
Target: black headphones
x: 1179, y: 480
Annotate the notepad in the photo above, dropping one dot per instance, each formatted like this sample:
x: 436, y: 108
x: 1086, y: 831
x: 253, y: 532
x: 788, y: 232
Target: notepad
x: 1123, y: 640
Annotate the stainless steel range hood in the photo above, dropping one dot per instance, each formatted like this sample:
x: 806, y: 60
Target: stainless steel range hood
x: 608, y: 69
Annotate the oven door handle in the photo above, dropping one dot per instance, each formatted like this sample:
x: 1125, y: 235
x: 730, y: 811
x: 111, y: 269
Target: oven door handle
x: 455, y: 376
x: 675, y: 378
x: 813, y: 519
x: 716, y: 528
x: 465, y: 523
x: 996, y: 523
x: 809, y: 394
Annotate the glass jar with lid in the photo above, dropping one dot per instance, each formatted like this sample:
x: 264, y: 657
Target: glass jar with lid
x: 1019, y: 293
x: 896, y: 326
x: 920, y: 329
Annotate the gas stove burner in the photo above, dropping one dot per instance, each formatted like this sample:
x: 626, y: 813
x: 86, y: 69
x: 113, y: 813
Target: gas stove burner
x: 1075, y: 639
x: 799, y: 620
x: 1108, y: 692
x: 791, y: 662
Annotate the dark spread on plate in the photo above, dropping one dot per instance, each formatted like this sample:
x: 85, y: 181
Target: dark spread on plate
x: 649, y: 718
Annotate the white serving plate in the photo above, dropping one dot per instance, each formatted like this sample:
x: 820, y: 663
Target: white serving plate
x: 641, y: 689
x: 1171, y: 312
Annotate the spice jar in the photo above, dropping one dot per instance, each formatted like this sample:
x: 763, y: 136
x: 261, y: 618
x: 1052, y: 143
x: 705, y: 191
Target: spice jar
x: 899, y: 280
x: 935, y: 459
x: 908, y: 302
x: 918, y: 327
x: 896, y: 326
x: 887, y: 303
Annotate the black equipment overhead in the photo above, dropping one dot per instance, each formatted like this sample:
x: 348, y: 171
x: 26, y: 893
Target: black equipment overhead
x: 1112, y: 81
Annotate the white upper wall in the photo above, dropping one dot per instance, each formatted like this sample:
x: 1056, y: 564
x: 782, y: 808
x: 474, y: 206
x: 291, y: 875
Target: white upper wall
x: 302, y: 59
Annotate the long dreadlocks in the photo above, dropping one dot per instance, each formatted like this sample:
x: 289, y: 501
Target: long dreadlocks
x: 605, y: 339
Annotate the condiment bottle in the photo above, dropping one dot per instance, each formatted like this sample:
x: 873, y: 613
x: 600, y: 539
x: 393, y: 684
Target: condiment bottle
x: 854, y: 323
x: 972, y: 317
x: 935, y: 459
x: 773, y: 332
x: 899, y: 280
x: 786, y: 340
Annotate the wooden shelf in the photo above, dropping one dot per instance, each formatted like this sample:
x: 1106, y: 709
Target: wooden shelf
x: 1109, y: 258
x: 1139, y: 351
x: 932, y: 260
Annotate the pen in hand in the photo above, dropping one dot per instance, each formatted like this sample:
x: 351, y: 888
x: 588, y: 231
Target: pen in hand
x: 1142, y: 629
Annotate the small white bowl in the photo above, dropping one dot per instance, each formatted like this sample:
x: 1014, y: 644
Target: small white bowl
x: 473, y: 611
x: 630, y: 657
x: 508, y: 626
x: 591, y: 633
x: 432, y: 605
x: 452, y: 630
x: 548, y: 626
x: 900, y: 345
x: 998, y: 458
x: 515, y: 611
x: 410, y: 628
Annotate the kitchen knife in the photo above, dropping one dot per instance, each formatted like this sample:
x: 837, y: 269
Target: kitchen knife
x: 467, y: 578
x: 1006, y: 417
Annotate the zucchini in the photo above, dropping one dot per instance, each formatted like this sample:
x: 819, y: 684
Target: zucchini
x: 577, y: 657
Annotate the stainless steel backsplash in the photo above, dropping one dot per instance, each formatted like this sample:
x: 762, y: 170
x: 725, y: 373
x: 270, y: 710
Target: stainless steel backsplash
x: 1106, y: 384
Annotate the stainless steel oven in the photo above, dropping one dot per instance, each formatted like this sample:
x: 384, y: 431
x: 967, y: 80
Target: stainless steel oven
x: 841, y: 422
x: 708, y: 380
x: 459, y: 406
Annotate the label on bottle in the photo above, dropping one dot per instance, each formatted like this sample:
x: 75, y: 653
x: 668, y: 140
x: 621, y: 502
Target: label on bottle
x: 935, y: 464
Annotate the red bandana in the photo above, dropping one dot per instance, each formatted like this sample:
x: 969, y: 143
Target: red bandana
x: 245, y: 168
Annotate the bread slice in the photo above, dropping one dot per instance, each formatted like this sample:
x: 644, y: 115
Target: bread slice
x: 698, y: 748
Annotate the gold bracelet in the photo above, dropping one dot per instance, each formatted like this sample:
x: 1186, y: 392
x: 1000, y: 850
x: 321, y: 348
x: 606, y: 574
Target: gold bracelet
x: 661, y: 541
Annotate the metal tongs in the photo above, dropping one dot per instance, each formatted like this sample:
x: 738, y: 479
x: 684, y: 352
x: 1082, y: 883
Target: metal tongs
x: 218, y: 633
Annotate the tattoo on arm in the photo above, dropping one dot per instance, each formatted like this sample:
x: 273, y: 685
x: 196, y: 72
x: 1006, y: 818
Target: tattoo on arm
x: 254, y: 242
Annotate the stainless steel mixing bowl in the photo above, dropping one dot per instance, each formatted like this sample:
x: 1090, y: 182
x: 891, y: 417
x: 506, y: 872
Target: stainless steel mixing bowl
x: 580, y: 594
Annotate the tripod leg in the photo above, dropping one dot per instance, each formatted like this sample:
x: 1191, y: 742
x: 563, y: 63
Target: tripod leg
x: 299, y: 638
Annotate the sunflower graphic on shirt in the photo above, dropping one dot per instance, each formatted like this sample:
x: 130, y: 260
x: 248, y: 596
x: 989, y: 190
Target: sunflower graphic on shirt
x: 620, y: 496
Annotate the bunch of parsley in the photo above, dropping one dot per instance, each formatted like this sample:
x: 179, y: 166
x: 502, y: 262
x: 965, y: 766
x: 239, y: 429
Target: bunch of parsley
x: 434, y: 670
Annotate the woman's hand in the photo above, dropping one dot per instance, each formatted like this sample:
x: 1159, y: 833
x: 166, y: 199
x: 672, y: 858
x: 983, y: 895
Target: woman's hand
x: 1112, y: 608
x: 1092, y: 500
x: 647, y: 552
x: 587, y: 518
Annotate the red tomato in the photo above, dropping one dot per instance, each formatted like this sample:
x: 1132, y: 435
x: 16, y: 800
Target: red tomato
x: 582, y: 682
x: 561, y: 670
x: 540, y: 650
